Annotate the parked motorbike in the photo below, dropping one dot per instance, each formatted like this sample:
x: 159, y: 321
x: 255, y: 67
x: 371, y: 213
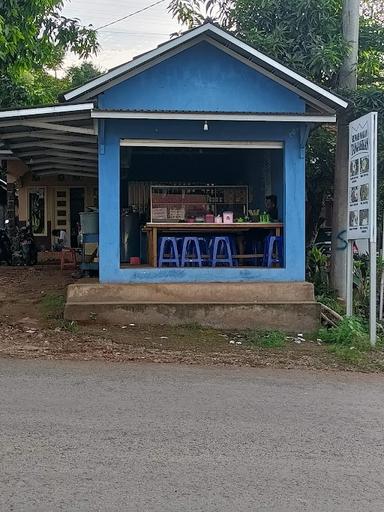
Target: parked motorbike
x: 5, y: 247
x: 27, y: 245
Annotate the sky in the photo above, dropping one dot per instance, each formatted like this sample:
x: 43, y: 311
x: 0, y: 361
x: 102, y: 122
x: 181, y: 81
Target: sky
x: 122, y: 41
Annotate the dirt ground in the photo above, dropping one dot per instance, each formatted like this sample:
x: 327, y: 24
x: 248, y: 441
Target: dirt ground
x: 31, y: 326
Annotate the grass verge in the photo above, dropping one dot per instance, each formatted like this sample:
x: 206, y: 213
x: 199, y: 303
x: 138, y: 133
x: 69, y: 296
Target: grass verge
x: 52, y: 306
x: 266, y: 339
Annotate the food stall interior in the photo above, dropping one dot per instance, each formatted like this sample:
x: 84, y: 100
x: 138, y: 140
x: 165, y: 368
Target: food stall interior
x: 201, y: 207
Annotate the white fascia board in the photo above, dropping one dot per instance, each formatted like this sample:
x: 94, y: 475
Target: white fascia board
x: 201, y: 144
x: 191, y: 35
x: 40, y: 111
x: 185, y: 116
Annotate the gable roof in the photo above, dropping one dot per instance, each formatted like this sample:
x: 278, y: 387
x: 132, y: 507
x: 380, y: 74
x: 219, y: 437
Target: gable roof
x: 208, y: 31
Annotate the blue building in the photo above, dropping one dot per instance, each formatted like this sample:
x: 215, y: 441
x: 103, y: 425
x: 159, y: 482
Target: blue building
x: 202, y: 128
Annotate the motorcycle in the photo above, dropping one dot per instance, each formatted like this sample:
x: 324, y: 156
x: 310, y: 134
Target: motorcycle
x: 27, y: 245
x: 5, y: 247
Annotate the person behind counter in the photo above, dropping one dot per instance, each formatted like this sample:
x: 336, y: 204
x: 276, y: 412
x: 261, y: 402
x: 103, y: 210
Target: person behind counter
x: 271, y: 207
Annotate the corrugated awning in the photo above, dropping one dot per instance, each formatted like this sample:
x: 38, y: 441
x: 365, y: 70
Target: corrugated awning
x: 56, y: 139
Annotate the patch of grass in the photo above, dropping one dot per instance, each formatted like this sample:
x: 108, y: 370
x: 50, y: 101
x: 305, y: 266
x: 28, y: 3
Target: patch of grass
x: 69, y: 326
x: 52, y: 306
x: 349, y: 341
x: 351, y: 332
x: 266, y: 339
x: 349, y: 355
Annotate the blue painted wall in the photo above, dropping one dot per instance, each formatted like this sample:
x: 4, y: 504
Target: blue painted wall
x: 201, y: 78
x: 109, y: 192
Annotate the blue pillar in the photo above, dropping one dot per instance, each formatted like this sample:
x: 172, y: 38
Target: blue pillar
x: 294, y: 205
x: 109, y: 205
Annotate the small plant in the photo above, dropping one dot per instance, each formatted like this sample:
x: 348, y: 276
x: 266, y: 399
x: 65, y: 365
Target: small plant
x: 267, y: 339
x: 351, y: 332
x: 317, y: 270
x: 52, y: 306
x: 330, y: 299
x: 349, y: 355
x: 69, y: 326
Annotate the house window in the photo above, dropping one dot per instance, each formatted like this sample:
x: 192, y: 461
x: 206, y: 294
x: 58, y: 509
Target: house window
x: 37, y: 211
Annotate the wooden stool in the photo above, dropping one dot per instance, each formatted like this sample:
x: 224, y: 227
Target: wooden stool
x: 70, y: 262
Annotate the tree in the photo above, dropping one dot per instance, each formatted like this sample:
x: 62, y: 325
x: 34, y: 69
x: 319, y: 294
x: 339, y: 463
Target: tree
x: 79, y: 75
x: 194, y: 12
x: 33, y: 34
x: 34, y: 37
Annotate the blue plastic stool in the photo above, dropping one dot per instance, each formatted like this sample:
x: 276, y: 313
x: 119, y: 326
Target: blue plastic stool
x: 168, y: 245
x: 221, y: 251
x: 269, y: 247
x: 191, y: 251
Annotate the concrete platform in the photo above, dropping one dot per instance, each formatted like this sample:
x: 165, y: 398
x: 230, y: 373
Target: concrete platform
x: 287, y: 306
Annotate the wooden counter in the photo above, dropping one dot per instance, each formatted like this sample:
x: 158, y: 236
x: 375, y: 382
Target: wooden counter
x: 169, y: 228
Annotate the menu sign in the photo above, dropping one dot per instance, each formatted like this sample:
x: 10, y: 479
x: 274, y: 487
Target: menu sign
x: 362, y: 177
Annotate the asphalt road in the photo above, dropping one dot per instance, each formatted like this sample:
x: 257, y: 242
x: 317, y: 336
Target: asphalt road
x: 109, y: 437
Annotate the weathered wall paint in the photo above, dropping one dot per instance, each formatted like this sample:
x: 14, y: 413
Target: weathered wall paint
x: 109, y: 193
x: 202, y: 78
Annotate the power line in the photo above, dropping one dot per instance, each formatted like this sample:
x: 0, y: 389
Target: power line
x: 131, y: 14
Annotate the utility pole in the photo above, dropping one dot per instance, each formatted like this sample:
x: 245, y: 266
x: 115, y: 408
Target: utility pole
x: 347, y: 81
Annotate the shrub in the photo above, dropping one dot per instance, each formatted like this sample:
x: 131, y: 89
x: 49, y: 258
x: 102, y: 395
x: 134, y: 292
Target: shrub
x: 351, y: 332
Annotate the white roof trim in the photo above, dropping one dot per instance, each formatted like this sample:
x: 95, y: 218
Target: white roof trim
x: 167, y: 143
x: 282, y: 118
x: 56, y: 109
x: 208, y: 27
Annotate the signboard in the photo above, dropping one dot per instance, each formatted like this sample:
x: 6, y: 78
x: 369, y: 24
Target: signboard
x: 362, y: 194
x: 362, y: 173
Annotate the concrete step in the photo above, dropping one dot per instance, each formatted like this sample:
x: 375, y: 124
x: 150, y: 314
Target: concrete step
x: 291, y: 317
x: 191, y: 293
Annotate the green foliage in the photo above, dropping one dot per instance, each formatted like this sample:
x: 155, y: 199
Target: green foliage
x: 68, y: 326
x: 34, y: 35
x: 52, y: 306
x: 329, y: 298
x: 194, y: 12
x: 306, y: 35
x: 351, y: 332
x: 317, y: 270
x: 266, y: 339
x: 349, y: 341
x: 350, y: 355
x: 79, y: 75
x: 320, y: 167
x: 39, y: 87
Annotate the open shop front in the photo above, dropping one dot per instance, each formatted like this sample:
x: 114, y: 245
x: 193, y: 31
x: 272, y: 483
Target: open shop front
x: 211, y: 206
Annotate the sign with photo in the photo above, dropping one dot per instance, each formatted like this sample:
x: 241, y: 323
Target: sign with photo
x: 362, y: 173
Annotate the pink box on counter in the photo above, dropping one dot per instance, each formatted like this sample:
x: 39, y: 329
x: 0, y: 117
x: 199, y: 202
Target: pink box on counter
x: 228, y: 217
x: 209, y: 218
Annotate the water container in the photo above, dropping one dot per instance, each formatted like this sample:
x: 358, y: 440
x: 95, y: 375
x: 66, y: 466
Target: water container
x: 89, y: 223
